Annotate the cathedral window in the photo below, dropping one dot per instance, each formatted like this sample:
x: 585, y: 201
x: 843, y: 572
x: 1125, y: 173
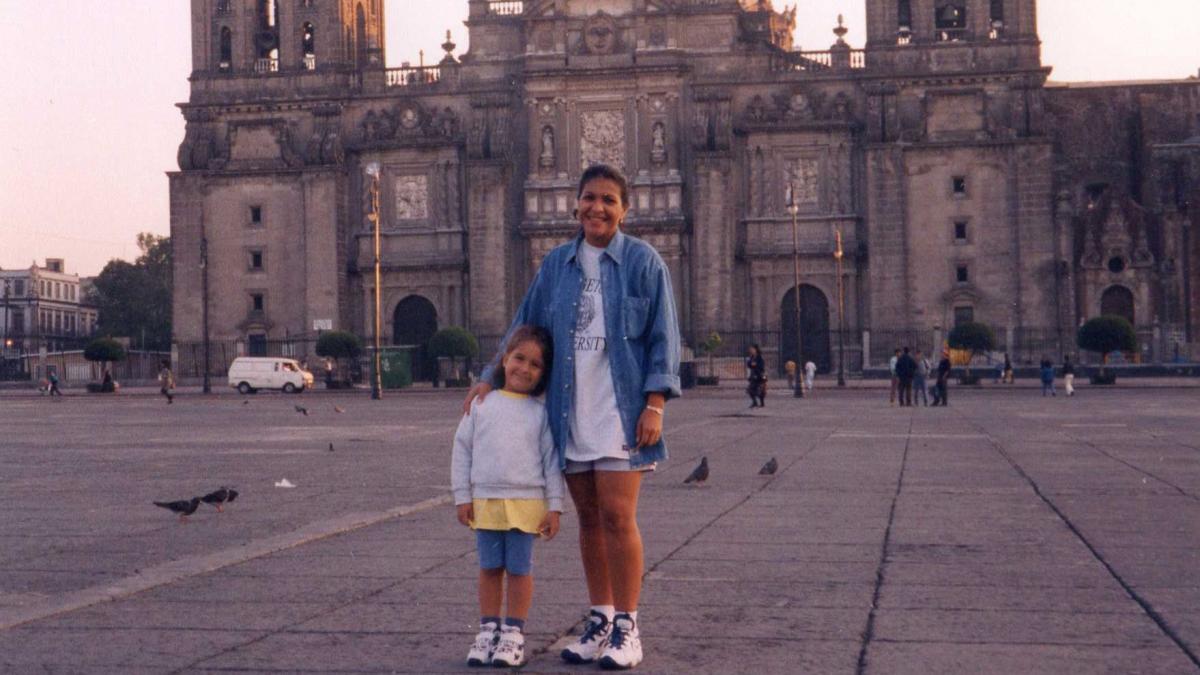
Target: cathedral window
x: 950, y: 22
x: 256, y: 261
x: 257, y: 303
x: 962, y: 274
x: 308, y: 46
x: 964, y: 315
x: 904, y: 22
x: 960, y: 232
x: 224, y: 6
x: 256, y: 215
x: 958, y: 185
x: 1116, y: 264
x: 996, y: 24
x: 1094, y: 191
x: 225, y: 57
x: 19, y: 287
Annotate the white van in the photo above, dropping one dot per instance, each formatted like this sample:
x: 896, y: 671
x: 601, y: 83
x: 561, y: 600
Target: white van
x: 251, y: 373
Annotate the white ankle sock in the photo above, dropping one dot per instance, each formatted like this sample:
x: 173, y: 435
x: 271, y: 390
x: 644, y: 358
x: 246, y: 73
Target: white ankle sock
x: 607, y: 610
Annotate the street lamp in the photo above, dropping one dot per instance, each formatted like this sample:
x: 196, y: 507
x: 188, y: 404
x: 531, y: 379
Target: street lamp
x: 204, y: 305
x: 794, y: 209
x: 373, y: 170
x: 841, y: 291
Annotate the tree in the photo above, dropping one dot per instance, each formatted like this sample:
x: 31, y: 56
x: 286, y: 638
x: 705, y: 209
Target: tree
x: 134, y: 299
x: 339, y: 344
x: 454, y: 343
x: 1105, y: 334
x: 710, y: 346
x: 973, y: 337
x: 104, y: 350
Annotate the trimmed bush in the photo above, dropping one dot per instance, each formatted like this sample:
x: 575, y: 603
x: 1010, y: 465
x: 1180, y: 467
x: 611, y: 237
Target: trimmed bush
x: 972, y: 337
x: 1105, y: 334
x: 709, y: 347
x: 339, y: 344
x: 104, y: 349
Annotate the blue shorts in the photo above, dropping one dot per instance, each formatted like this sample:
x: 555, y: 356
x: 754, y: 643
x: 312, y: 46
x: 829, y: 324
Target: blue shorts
x: 511, y: 550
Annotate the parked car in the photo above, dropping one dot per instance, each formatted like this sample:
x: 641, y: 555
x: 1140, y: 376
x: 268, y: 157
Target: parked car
x: 248, y: 374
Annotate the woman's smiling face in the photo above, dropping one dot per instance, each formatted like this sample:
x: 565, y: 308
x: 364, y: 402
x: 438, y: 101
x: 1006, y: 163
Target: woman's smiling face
x: 600, y: 211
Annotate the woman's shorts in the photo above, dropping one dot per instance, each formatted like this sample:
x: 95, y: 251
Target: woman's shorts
x: 511, y: 550
x: 606, y: 464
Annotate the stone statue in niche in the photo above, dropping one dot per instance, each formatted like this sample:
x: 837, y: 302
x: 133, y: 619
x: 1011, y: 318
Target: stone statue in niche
x: 757, y: 110
x: 546, y: 160
x: 798, y: 106
x: 447, y: 123
x: 376, y: 126
x: 658, y: 143
x: 600, y: 34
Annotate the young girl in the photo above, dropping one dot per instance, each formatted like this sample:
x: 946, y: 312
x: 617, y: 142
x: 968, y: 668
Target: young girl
x: 508, y: 487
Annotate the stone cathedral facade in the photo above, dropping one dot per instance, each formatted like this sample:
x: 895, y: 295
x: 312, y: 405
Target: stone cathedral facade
x: 962, y: 184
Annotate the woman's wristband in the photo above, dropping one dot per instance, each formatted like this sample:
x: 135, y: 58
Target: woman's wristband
x: 655, y: 408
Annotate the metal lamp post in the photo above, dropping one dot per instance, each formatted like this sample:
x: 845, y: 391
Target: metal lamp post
x: 841, y: 291
x: 794, y: 209
x: 207, y: 388
x: 373, y: 171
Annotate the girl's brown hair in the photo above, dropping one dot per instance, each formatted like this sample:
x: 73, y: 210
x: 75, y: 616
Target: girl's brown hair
x: 525, y: 334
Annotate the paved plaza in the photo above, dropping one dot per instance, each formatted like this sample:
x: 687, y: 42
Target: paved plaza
x: 1008, y: 533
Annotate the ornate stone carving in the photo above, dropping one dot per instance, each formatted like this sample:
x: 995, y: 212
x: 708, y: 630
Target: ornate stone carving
x: 602, y: 138
x: 547, y: 159
x: 600, y: 34
x: 658, y: 144
x: 801, y: 176
x: 412, y: 197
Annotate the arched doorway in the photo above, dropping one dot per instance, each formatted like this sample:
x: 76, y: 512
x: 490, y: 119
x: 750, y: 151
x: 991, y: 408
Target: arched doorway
x: 1118, y: 301
x: 814, y: 327
x: 413, y: 323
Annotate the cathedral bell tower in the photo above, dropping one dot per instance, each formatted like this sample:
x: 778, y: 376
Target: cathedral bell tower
x: 260, y: 37
x: 930, y: 23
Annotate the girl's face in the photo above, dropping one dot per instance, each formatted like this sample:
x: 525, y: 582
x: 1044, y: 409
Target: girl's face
x: 600, y: 211
x: 523, y: 367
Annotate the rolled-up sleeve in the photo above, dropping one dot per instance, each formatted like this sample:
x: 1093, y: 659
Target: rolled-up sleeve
x: 662, y: 357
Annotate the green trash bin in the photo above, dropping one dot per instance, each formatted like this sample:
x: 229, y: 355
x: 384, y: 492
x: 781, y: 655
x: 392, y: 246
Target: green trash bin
x: 395, y: 368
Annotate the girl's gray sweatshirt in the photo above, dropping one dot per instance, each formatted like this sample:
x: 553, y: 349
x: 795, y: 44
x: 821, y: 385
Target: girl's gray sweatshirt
x: 503, y: 450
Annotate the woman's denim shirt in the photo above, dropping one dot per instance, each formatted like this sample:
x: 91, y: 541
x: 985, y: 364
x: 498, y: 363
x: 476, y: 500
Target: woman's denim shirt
x: 639, y: 322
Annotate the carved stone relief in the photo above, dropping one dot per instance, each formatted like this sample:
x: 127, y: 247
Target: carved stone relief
x: 801, y: 176
x: 600, y: 34
x: 658, y: 145
x: 602, y: 138
x: 412, y: 197
x: 547, y: 158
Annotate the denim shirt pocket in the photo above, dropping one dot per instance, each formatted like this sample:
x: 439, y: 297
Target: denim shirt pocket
x: 636, y: 312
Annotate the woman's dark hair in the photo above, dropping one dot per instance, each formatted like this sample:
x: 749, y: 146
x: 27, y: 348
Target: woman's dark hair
x: 525, y: 334
x: 757, y: 350
x: 605, y: 171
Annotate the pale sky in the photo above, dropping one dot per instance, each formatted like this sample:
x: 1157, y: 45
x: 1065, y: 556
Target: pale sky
x: 90, y: 128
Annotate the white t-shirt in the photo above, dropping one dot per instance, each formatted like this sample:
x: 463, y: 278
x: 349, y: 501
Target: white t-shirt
x: 596, y: 431
x: 810, y: 369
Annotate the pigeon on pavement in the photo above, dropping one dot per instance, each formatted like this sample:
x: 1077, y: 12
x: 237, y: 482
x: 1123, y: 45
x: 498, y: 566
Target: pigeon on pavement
x: 184, y: 507
x: 331, y: 447
x: 301, y: 409
x: 217, y: 497
x: 232, y: 496
x: 245, y: 402
x: 769, y: 468
x: 699, y: 474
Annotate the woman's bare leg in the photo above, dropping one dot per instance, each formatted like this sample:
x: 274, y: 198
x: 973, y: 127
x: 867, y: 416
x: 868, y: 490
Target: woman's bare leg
x: 592, y: 544
x: 618, y: 501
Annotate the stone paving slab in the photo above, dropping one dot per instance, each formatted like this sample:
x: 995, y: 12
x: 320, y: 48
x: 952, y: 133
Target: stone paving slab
x: 1000, y: 535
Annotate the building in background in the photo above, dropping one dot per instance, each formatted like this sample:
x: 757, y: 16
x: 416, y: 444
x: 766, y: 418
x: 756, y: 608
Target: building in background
x: 44, y: 307
x: 963, y: 185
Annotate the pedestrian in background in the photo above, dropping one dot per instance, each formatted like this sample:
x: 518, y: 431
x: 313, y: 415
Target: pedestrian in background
x: 810, y: 375
x: 921, y: 378
x: 756, y: 378
x: 906, y: 370
x: 790, y: 369
x: 52, y: 378
x: 167, y: 379
x: 1047, y: 372
x: 1068, y: 371
x: 1008, y: 369
x: 941, y: 387
x: 892, y: 372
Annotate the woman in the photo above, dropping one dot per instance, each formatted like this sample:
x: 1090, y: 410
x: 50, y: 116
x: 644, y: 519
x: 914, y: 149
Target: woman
x: 606, y: 299
x: 756, y: 378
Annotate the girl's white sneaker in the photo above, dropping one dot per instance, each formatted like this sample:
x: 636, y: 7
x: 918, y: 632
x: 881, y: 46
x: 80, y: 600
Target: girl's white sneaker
x: 485, y: 643
x: 510, y: 650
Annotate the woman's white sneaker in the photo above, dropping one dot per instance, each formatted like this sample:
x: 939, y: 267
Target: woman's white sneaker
x: 623, y: 649
x: 510, y: 650
x: 588, y: 646
x: 485, y: 643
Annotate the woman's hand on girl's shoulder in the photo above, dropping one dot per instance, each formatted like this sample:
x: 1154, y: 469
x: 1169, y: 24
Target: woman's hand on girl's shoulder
x: 480, y: 391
